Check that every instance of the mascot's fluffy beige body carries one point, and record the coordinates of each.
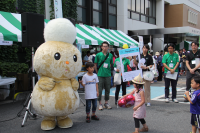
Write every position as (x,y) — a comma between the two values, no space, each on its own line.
(57,62)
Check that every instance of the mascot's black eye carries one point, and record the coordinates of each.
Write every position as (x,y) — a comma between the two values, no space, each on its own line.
(57,56)
(75,58)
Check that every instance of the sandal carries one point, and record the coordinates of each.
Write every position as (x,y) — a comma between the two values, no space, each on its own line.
(144,129)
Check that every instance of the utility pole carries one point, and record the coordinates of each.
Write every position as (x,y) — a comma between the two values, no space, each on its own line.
(47,9)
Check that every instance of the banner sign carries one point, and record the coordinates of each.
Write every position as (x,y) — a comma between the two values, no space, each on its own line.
(6,42)
(141,43)
(58,9)
(85,46)
(125,53)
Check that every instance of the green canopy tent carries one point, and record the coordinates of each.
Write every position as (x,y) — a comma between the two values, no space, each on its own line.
(10,26)
(184,44)
(90,35)
(10,30)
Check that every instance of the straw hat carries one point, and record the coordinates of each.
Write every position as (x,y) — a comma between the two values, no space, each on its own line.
(157,53)
(138,80)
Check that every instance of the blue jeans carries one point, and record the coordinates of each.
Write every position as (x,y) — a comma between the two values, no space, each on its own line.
(88,105)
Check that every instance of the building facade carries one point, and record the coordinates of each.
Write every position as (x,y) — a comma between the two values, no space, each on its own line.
(141,15)
(158,21)
(99,13)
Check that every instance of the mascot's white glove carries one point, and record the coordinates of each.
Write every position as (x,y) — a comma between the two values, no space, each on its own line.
(46,83)
(75,84)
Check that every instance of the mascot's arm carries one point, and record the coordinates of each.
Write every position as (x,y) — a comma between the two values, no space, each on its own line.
(46,83)
(75,84)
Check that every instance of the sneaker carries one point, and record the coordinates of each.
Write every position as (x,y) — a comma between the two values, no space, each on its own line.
(148,104)
(94,118)
(167,100)
(100,107)
(87,119)
(107,106)
(175,100)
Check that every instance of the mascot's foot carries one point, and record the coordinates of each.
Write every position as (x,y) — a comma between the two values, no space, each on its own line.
(48,123)
(64,122)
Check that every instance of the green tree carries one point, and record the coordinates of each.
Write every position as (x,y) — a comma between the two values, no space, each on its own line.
(69,8)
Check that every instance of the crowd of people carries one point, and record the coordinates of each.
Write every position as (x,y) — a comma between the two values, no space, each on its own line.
(168,67)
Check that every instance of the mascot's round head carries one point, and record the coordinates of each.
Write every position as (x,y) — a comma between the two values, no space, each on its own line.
(57,57)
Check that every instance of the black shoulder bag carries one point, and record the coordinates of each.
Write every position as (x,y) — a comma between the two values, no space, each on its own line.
(103,61)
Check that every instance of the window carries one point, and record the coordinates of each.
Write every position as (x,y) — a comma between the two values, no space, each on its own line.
(152,21)
(146,7)
(92,12)
(112,14)
(114,2)
(97,18)
(97,13)
(97,5)
(137,5)
(142,6)
(129,4)
(192,17)
(81,11)
(112,9)
(144,18)
(142,10)
(133,5)
(81,14)
(112,21)
(129,14)
(154,8)
(81,2)
(135,16)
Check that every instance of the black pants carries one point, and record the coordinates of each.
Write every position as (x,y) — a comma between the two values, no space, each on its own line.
(173,84)
(188,80)
(160,73)
(118,89)
(137,122)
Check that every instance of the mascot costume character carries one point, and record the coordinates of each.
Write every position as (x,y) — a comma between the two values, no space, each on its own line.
(57,62)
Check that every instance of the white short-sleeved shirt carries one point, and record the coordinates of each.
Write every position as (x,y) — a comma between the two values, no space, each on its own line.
(90,85)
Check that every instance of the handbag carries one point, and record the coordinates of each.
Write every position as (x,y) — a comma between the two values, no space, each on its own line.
(154,71)
(117,79)
(148,75)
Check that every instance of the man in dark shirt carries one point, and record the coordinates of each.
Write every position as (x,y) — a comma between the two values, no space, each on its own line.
(184,54)
(191,64)
(159,66)
(161,53)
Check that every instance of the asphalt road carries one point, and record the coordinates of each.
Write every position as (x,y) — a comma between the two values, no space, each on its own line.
(161,118)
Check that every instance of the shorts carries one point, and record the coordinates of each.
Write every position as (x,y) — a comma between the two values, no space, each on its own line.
(195,120)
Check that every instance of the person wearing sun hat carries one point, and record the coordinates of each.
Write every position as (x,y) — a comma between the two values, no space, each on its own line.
(123,84)
(139,107)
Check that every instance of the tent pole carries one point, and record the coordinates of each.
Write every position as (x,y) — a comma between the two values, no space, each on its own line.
(150,38)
